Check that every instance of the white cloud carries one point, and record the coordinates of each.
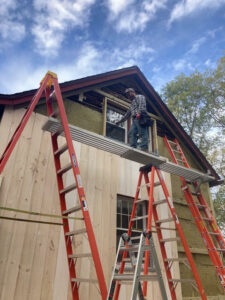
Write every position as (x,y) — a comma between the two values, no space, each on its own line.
(89,61)
(117,6)
(182,65)
(54,18)
(133,15)
(210,64)
(196,45)
(11,28)
(187,7)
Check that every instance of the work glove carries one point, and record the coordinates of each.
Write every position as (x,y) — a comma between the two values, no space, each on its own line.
(138,116)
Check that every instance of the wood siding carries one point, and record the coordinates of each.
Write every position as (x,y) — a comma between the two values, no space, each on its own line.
(32,256)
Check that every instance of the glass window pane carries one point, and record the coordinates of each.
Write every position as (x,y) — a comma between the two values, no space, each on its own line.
(115,132)
(130,207)
(113,116)
(140,224)
(119,206)
(118,220)
(124,221)
(125,207)
(139,210)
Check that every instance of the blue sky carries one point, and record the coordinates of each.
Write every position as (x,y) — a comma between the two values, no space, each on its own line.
(77,38)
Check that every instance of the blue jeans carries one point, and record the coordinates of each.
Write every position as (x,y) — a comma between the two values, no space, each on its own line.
(141,131)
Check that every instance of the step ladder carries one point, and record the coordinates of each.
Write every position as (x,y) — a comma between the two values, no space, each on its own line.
(49,81)
(205,222)
(135,248)
(161,228)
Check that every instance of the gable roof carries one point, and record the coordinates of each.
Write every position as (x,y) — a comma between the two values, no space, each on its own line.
(26,96)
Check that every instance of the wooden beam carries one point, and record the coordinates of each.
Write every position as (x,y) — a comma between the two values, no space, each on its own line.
(155,137)
(121,102)
(90,88)
(104,116)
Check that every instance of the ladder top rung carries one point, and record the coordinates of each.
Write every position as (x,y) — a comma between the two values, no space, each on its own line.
(61,150)
(72,209)
(164,220)
(84,280)
(76,232)
(80,255)
(68,188)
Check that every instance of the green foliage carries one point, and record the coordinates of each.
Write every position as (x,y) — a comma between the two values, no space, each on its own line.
(198,103)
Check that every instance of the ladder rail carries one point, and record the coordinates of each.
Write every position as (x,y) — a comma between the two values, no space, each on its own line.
(80,190)
(181,235)
(199,221)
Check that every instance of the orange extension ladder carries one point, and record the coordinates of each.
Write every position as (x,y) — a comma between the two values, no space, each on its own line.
(160,230)
(205,222)
(50,80)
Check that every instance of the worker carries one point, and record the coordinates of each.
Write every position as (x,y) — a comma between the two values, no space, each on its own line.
(138,113)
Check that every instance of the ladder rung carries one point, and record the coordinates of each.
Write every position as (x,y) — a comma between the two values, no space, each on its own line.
(140,218)
(180,160)
(182,280)
(170,240)
(61,150)
(214,233)
(195,194)
(207,219)
(54,114)
(164,220)
(134,248)
(176,151)
(131,269)
(76,232)
(64,169)
(72,209)
(181,260)
(58,132)
(157,183)
(141,200)
(80,255)
(160,202)
(171,142)
(201,206)
(68,189)
(128,277)
(220,250)
(84,280)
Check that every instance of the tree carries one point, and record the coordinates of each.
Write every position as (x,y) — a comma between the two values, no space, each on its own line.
(198,103)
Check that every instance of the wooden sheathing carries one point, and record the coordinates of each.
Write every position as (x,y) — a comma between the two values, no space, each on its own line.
(32,255)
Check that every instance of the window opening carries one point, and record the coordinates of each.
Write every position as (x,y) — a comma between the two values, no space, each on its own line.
(116,132)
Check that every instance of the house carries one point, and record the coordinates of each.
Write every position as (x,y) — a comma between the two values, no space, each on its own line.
(32,255)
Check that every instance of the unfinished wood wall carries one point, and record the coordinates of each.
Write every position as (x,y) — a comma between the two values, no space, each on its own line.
(32,256)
